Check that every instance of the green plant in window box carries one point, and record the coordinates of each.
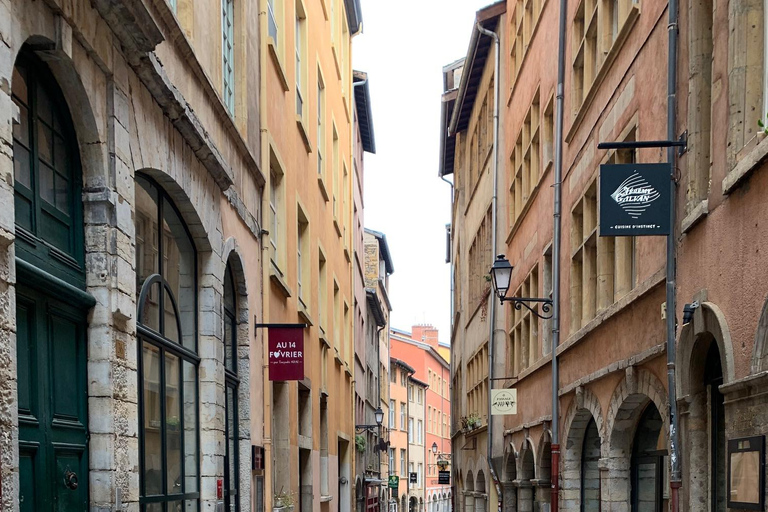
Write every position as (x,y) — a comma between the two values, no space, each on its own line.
(283,501)
(763,125)
(360,443)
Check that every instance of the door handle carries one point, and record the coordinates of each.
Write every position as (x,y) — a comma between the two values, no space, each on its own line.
(70,480)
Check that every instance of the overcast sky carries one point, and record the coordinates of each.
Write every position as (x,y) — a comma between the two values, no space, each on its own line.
(403,48)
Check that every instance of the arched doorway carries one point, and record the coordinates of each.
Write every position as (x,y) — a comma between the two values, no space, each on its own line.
(589,472)
(526,493)
(481,493)
(510,475)
(647,463)
(51,302)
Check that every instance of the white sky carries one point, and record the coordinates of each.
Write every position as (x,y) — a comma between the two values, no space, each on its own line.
(403,48)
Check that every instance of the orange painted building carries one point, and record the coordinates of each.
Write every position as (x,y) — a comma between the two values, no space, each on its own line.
(419,350)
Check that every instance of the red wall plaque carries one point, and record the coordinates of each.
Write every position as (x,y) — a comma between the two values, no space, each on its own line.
(286,353)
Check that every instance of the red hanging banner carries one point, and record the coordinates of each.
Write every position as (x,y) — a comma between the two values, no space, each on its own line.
(286,353)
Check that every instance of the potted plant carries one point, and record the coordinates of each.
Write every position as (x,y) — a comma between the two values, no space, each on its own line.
(360,443)
(283,501)
(763,129)
(473,421)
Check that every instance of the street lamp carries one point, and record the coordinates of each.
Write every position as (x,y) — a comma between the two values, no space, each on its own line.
(434,448)
(501,274)
(379,415)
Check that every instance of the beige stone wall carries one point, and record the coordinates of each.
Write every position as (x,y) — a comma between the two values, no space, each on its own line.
(136,106)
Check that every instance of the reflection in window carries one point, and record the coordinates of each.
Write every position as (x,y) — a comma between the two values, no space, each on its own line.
(231,458)
(167,316)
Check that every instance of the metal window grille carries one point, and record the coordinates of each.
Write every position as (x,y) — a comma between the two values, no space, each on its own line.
(228,53)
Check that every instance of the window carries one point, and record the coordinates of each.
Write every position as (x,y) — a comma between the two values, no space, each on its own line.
(403,378)
(403,411)
(429,419)
(228,53)
(302,257)
(527,13)
(594,41)
(410,430)
(274,17)
(419,432)
(402,463)
(393,376)
(584,259)
(391,460)
(336,318)
(480,260)
(320,126)
(524,335)
(336,178)
(301,23)
(277,211)
(419,470)
(392,414)
(322,291)
(546,325)
(420,395)
(477,381)
(525,162)
(47,174)
(166,272)
(411,393)
(348,342)
(172,3)
(231,416)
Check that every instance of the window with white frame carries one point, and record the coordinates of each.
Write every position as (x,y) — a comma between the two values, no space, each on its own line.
(392,413)
(302,257)
(402,415)
(301,24)
(320,124)
(228,53)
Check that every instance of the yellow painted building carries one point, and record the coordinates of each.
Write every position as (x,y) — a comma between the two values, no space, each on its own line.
(308,149)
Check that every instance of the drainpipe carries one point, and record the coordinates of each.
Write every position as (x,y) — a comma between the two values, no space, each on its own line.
(675,480)
(556,235)
(494,223)
(265,246)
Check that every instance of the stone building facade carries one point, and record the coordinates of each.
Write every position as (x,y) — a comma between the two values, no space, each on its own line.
(614,400)
(112,117)
(467,155)
(157,218)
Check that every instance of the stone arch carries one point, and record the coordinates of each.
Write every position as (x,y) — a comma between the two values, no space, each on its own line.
(707,335)
(480,484)
(630,399)
(708,324)
(509,477)
(38,35)
(544,468)
(481,492)
(233,258)
(579,471)
(526,473)
(760,349)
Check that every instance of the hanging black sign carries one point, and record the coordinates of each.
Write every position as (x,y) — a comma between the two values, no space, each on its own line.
(413,478)
(444,477)
(635,199)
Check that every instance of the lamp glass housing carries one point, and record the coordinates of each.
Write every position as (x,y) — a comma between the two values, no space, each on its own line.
(501,273)
(379,415)
(434,448)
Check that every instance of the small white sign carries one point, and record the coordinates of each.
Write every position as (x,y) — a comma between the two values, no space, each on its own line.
(503,402)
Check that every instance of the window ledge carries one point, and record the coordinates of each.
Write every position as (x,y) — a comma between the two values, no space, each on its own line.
(278,64)
(323,337)
(745,166)
(303,133)
(336,60)
(325,499)
(697,214)
(337,357)
(615,308)
(347,255)
(336,225)
(276,276)
(323,189)
(581,112)
(346,103)
(523,212)
(304,314)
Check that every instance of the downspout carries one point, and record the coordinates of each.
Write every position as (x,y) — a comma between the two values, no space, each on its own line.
(675,480)
(265,259)
(556,235)
(494,223)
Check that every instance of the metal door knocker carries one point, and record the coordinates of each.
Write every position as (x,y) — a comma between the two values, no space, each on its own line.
(70,480)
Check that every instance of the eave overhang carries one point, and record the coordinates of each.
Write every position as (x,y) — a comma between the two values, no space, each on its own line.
(363,107)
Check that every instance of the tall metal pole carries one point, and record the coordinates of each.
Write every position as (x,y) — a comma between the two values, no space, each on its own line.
(558,173)
(675,480)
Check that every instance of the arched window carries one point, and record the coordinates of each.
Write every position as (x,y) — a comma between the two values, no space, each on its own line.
(166,273)
(46,170)
(590,471)
(231,456)
(647,462)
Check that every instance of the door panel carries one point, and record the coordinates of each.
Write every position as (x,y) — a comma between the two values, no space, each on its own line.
(53,437)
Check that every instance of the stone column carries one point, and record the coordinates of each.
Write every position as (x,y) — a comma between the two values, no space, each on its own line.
(469,501)
(543,495)
(510,497)
(524,496)
(615,479)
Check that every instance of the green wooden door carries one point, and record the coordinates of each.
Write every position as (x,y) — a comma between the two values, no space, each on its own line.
(53,434)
